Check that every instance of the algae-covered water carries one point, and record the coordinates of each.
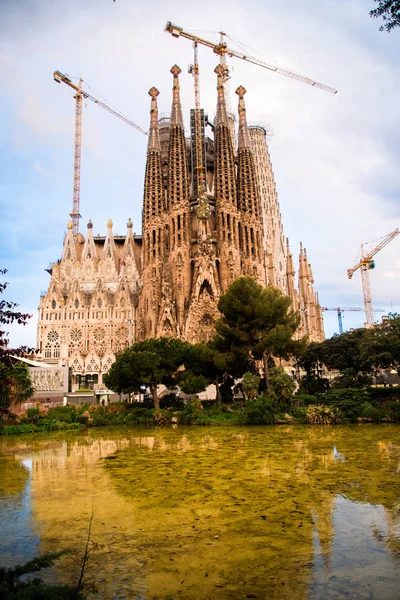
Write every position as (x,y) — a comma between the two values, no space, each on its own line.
(211,513)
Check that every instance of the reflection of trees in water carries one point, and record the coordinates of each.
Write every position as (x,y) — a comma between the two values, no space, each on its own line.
(242,505)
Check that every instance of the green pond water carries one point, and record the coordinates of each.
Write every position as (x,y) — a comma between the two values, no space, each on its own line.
(211,513)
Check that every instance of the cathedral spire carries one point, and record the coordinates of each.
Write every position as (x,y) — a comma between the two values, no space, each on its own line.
(290,273)
(153,186)
(154,138)
(244,138)
(222,113)
(178,189)
(248,192)
(225,180)
(176,112)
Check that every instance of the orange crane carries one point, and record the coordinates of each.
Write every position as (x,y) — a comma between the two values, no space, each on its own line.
(339,312)
(366,264)
(80,94)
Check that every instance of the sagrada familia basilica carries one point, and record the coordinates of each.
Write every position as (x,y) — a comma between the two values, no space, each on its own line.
(200,231)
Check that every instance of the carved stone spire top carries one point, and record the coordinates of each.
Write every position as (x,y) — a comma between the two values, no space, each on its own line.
(176,112)
(154,138)
(222,115)
(244,138)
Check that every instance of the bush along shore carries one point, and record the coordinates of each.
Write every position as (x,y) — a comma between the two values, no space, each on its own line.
(347,405)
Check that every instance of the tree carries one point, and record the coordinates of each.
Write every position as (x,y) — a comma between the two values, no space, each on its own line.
(389,10)
(18,386)
(148,363)
(380,346)
(206,360)
(13,379)
(193,384)
(282,387)
(250,384)
(257,322)
(340,353)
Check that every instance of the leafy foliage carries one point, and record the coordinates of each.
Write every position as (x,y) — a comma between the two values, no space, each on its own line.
(348,401)
(317,414)
(15,384)
(380,346)
(282,387)
(260,411)
(250,384)
(256,323)
(12,587)
(148,363)
(193,384)
(389,10)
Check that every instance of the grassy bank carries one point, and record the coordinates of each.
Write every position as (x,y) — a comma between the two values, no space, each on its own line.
(336,406)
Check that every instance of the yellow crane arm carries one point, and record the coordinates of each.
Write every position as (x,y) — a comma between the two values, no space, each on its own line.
(365,260)
(60,77)
(221,48)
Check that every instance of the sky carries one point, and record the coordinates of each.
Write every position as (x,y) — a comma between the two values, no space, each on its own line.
(335,157)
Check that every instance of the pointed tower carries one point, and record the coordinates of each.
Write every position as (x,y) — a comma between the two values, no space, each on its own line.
(89,259)
(228,226)
(129,268)
(153,228)
(290,277)
(273,242)
(248,201)
(303,294)
(108,269)
(177,272)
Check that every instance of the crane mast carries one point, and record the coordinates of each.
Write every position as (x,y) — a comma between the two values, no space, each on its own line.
(76,193)
(365,264)
(197,134)
(79,95)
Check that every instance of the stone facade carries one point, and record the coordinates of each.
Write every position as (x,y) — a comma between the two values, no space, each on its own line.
(200,230)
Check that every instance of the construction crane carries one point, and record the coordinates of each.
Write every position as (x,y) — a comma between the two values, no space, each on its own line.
(366,264)
(80,94)
(222,50)
(339,312)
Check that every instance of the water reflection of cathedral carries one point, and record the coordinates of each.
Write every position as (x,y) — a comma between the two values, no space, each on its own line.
(233,505)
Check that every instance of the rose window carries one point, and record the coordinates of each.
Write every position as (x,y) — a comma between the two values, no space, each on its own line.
(76,336)
(99,335)
(121,339)
(53,336)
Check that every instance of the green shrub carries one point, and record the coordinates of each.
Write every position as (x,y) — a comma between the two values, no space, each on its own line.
(67,414)
(191,412)
(32,415)
(99,420)
(306,399)
(391,411)
(369,412)
(161,416)
(318,414)
(17,429)
(82,419)
(384,394)
(299,413)
(348,400)
(260,411)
